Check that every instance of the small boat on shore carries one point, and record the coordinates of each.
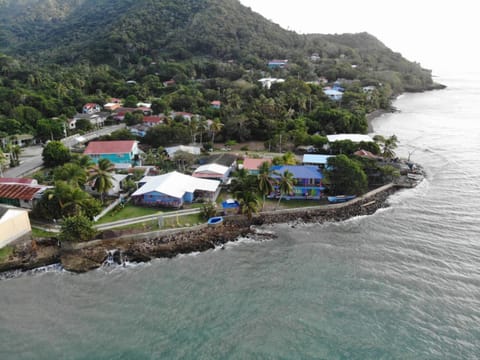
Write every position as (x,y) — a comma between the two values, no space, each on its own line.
(340,198)
(415,176)
(215,221)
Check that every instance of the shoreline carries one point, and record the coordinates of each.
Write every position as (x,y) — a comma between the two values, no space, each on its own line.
(120,248)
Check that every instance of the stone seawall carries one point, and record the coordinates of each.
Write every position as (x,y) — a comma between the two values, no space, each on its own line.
(121,248)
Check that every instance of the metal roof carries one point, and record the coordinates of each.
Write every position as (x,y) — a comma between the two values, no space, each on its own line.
(19,191)
(298,171)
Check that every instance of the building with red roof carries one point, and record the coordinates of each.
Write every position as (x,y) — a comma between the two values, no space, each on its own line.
(20,192)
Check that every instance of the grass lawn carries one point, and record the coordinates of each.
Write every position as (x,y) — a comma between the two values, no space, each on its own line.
(42,233)
(129,211)
(169,223)
(5,252)
(289,204)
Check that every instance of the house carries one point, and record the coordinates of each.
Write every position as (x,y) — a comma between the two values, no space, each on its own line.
(19,192)
(315,57)
(356,138)
(333,94)
(21,140)
(212,171)
(267,82)
(367,154)
(91,108)
(96,119)
(111,106)
(316,160)
(122,153)
(174,189)
(118,181)
(14,225)
(169,83)
(139,130)
(216,104)
(252,165)
(194,150)
(307,181)
(277,64)
(154,120)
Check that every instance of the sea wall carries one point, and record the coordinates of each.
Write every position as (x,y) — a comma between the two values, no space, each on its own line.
(118,247)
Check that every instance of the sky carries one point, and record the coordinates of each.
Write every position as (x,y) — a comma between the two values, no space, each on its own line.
(439,34)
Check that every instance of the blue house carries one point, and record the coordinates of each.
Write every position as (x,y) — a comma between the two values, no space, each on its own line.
(277,64)
(307,181)
(122,153)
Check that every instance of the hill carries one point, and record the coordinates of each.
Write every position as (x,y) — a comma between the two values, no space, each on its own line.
(126,32)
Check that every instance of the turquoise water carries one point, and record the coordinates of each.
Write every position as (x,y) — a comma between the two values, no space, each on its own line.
(403,283)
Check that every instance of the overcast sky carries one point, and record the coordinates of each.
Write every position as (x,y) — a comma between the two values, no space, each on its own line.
(441,35)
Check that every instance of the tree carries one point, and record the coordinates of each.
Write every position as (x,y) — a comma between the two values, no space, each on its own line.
(101,175)
(72,173)
(346,176)
(265,181)
(55,154)
(77,228)
(215,127)
(249,203)
(387,144)
(285,184)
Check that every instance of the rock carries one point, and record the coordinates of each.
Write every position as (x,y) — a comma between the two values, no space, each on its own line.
(77,263)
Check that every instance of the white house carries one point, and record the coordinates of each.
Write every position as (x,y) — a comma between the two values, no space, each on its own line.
(356,138)
(333,94)
(174,189)
(194,150)
(212,171)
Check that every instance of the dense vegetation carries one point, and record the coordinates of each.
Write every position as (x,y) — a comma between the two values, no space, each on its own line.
(61,54)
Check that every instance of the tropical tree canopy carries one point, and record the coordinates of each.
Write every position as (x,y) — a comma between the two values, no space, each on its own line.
(346,176)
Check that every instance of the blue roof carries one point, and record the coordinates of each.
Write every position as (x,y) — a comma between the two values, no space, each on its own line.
(316,159)
(298,171)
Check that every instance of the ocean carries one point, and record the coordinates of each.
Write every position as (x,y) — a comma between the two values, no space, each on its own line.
(403,283)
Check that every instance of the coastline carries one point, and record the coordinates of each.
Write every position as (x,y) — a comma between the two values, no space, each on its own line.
(120,248)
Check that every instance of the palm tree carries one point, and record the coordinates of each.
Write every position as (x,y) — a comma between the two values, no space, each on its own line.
(388,144)
(83,161)
(66,199)
(101,175)
(3,161)
(265,181)
(285,184)
(215,127)
(249,203)
(72,173)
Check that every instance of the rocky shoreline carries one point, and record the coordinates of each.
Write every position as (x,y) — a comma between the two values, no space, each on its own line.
(120,248)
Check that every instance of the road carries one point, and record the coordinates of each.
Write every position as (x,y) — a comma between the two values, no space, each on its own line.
(31,157)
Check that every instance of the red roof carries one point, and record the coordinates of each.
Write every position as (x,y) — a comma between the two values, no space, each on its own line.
(109,147)
(365,153)
(153,119)
(17,181)
(19,191)
(254,164)
(90,105)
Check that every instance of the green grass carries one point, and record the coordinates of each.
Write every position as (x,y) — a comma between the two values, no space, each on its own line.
(42,233)
(128,212)
(5,252)
(290,204)
(169,223)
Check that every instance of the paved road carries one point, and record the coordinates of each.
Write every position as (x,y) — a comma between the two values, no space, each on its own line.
(31,157)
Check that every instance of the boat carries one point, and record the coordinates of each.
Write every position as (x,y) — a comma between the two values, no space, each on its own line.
(415,176)
(340,198)
(214,221)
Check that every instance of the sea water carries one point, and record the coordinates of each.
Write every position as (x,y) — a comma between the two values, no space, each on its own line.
(403,283)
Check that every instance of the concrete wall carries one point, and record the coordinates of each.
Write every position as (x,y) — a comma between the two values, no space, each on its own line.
(14,225)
